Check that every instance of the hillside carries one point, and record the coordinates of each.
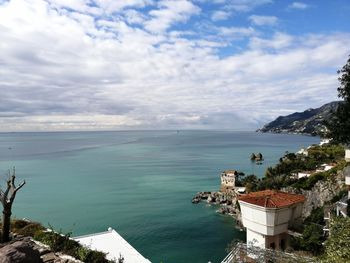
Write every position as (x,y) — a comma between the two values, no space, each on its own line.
(307,122)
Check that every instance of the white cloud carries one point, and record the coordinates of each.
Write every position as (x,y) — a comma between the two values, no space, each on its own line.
(263,20)
(111,6)
(169,12)
(239,6)
(220,15)
(236,31)
(67,122)
(298,5)
(279,40)
(134,17)
(64,70)
(245,5)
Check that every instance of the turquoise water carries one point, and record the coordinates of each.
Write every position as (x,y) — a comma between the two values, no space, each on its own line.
(140,183)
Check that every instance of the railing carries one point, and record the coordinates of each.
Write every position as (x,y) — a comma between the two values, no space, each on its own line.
(242,253)
(341,206)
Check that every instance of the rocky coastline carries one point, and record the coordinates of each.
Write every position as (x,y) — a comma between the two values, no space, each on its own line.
(226,200)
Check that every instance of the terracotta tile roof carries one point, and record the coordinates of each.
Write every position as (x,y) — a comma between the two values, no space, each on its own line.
(272,198)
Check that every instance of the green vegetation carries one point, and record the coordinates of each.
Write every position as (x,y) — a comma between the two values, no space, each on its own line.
(317,155)
(338,243)
(312,233)
(339,196)
(316,217)
(306,183)
(312,239)
(58,241)
(281,175)
(339,124)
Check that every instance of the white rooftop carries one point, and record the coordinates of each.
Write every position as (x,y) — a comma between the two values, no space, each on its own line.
(113,244)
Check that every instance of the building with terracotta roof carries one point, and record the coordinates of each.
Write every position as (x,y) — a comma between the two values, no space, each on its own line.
(228,179)
(267,216)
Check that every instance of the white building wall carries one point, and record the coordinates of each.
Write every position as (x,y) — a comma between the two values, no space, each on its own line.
(269,221)
(328,167)
(347,155)
(301,175)
(228,179)
(255,239)
(347,180)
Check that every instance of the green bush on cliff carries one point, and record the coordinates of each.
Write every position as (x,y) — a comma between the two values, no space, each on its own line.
(338,244)
(339,196)
(280,175)
(316,216)
(26,228)
(317,155)
(58,242)
(306,183)
(311,239)
(63,243)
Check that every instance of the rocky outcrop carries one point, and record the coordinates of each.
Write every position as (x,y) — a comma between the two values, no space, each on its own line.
(22,251)
(25,250)
(200,196)
(226,200)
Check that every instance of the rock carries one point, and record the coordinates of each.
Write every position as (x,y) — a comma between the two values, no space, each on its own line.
(200,196)
(19,252)
(195,200)
(221,210)
(210,199)
(49,257)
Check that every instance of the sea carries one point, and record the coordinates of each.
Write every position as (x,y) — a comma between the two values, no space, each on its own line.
(138,182)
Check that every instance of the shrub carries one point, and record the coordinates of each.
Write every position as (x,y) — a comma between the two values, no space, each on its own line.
(316,216)
(312,239)
(339,196)
(338,243)
(26,228)
(58,242)
(63,243)
(309,182)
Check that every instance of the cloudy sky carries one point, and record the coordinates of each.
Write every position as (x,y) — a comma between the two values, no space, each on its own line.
(166,64)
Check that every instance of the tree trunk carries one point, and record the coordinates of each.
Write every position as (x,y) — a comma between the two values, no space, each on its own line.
(6,222)
(6,198)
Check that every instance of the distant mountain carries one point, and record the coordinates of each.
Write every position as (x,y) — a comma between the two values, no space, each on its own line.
(307,122)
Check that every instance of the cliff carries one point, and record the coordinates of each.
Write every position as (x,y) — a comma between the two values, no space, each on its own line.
(322,192)
(310,121)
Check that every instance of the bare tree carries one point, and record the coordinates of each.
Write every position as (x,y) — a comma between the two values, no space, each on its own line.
(7,197)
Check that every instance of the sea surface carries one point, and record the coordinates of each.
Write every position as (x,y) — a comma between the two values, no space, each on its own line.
(138,182)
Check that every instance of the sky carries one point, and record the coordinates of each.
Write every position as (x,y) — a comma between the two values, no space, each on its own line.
(71,65)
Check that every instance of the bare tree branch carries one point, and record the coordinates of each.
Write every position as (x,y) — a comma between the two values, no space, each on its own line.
(7,198)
